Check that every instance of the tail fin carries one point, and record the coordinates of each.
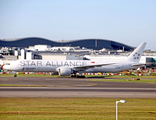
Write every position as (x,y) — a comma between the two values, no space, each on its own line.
(137,53)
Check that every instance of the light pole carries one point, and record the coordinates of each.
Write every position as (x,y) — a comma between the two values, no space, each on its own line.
(122,101)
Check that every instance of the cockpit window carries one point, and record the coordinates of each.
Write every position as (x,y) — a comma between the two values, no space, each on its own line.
(7,63)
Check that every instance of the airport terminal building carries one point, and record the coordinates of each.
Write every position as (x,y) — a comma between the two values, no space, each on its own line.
(95,44)
(39,48)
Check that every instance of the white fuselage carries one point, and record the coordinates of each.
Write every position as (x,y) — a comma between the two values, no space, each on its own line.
(52,65)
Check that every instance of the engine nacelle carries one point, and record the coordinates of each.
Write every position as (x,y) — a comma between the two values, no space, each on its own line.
(64,71)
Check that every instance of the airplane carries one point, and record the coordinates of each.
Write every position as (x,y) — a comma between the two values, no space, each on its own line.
(75,68)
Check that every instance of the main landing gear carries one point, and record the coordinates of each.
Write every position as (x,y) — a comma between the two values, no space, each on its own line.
(77,76)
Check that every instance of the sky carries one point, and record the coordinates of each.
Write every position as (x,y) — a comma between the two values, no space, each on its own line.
(126,21)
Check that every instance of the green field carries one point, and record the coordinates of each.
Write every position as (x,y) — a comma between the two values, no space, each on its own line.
(76,109)
(88,76)
(128,80)
(30,75)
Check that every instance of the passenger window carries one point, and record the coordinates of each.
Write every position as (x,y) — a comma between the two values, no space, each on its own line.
(7,63)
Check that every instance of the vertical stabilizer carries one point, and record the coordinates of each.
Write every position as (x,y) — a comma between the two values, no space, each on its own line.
(137,53)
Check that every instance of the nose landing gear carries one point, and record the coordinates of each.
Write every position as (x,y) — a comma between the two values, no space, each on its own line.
(15,75)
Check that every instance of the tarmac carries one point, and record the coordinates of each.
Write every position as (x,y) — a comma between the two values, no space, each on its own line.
(73,87)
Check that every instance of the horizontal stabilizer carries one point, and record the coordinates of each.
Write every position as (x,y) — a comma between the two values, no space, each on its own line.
(138,65)
(141,64)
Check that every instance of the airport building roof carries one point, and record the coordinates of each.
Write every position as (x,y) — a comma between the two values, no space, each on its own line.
(95,44)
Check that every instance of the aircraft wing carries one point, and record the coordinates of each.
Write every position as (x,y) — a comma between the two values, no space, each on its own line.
(91,66)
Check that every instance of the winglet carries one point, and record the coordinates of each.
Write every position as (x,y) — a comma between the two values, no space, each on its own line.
(137,53)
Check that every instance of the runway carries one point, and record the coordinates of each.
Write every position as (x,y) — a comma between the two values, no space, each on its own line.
(70,87)
(60,92)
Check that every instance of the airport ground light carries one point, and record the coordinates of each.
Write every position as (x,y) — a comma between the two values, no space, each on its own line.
(121,101)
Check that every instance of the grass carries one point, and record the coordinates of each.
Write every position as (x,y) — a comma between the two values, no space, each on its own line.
(75,109)
(128,80)
(31,75)
(88,76)
(120,76)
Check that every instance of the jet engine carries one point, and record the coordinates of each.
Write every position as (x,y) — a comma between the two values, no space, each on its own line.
(64,71)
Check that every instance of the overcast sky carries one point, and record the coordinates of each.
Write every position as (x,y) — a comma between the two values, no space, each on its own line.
(127,21)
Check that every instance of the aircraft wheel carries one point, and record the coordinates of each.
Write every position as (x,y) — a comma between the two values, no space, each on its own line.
(80,76)
(83,76)
(77,76)
(15,75)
